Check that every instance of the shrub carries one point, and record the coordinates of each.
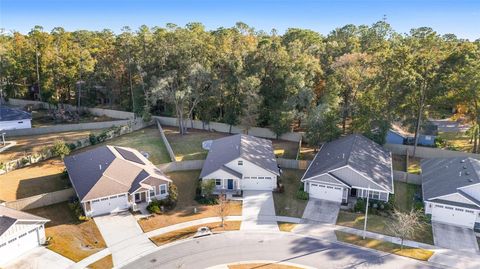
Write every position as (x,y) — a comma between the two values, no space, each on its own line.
(24,161)
(60,149)
(92,138)
(172,193)
(207,186)
(213,200)
(360,205)
(154,207)
(72,146)
(102,137)
(302,195)
(77,210)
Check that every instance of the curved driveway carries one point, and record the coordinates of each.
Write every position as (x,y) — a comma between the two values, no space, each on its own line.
(287,247)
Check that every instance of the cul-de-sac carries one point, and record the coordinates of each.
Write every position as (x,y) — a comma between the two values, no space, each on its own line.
(239,134)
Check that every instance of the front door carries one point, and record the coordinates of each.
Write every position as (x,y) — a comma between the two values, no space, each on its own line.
(230,184)
(353,192)
(138,198)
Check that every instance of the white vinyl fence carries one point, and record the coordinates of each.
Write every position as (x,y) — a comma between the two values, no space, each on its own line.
(426,152)
(41,200)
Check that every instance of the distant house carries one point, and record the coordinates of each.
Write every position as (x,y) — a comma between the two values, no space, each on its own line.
(397,135)
(19,233)
(451,190)
(111,179)
(352,166)
(241,162)
(12,118)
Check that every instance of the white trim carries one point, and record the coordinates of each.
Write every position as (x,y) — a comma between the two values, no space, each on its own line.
(468,186)
(330,171)
(391,172)
(339,182)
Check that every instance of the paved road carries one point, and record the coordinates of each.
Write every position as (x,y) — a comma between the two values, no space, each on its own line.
(286,247)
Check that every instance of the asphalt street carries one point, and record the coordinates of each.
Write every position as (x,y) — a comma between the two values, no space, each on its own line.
(281,247)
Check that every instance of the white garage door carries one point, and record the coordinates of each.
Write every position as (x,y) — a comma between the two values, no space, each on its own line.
(258,183)
(326,192)
(455,216)
(109,205)
(16,247)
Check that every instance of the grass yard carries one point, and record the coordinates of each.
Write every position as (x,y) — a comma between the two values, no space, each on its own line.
(35,143)
(405,195)
(190,231)
(307,152)
(414,253)
(286,226)
(186,182)
(147,139)
(32,180)
(399,162)
(41,118)
(189,146)
(104,263)
(414,166)
(262,266)
(379,224)
(286,203)
(71,238)
(458,141)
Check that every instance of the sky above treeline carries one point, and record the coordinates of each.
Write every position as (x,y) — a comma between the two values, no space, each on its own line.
(459,17)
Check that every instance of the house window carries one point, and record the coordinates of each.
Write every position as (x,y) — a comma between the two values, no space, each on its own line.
(240,162)
(163,189)
(218,182)
(374,195)
(260,177)
(104,199)
(2,245)
(246,178)
(20,122)
(469,211)
(268,178)
(22,235)
(152,192)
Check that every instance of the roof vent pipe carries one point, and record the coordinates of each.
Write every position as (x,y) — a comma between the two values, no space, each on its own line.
(100,166)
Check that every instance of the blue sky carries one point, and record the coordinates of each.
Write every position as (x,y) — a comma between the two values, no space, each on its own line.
(460,17)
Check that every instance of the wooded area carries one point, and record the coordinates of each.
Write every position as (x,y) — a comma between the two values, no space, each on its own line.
(355,79)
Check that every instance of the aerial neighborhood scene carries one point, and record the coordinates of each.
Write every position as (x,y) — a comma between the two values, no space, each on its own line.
(239,134)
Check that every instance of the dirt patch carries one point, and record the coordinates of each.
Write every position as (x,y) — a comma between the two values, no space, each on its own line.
(104,263)
(262,266)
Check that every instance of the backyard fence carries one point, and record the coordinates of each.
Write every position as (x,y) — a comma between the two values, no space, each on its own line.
(117,114)
(181,166)
(41,200)
(425,152)
(407,177)
(225,128)
(293,164)
(165,141)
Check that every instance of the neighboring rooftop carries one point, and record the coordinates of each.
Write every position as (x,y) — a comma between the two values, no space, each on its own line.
(9,216)
(358,152)
(442,176)
(11,114)
(259,151)
(109,170)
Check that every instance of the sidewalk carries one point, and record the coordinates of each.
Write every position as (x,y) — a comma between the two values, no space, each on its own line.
(90,259)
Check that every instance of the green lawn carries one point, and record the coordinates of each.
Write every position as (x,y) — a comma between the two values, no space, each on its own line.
(404,195)
(414,253)
(414,166)
(458,141)
(147,139)
(286,203)
(379,224)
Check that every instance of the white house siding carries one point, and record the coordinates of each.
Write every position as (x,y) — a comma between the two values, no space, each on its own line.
(220,174)
(254,177)
(473,190)
(355,179)
(107,205)
(16,124)
(456,197)
(326,178)
(19,239)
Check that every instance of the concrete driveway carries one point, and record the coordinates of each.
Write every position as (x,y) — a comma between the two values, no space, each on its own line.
(40,257)
(453,237)
(321,210)
(123,236)
(258,211)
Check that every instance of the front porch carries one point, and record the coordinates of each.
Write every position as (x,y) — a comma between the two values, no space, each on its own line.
(227,186)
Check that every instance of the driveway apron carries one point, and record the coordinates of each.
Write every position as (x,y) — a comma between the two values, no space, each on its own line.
(123,236)
(453,237)
(321,211)
(258,211)
(40,257)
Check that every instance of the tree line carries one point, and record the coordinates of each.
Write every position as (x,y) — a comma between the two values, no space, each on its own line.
(355,79)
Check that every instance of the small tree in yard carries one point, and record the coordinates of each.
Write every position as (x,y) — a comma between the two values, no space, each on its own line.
(172,193)
(406,224)
(208,186)
(223,209)
(60,149)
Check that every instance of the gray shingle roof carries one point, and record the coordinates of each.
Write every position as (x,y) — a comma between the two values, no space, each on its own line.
(253,149)
(104,171)
(9,216)
(442,176)
(358,152)
(10,114)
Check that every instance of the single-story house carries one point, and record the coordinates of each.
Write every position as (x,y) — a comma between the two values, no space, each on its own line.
(351,166)
(19,233)
(110,179)
(397,135)
(241,162)
(12,118)
(451,190)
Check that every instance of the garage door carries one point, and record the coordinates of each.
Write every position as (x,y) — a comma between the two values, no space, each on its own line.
(109,205)
(326,192)
(455,216)
(17,246)
(258,183)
